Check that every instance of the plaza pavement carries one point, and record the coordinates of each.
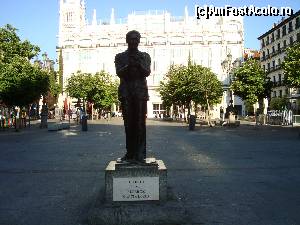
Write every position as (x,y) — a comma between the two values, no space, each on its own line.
(222,175)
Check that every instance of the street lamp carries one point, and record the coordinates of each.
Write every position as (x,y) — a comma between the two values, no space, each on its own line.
(227,66)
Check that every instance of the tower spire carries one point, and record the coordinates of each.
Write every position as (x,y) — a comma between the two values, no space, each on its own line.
(186,14)
(94,22)
(112,16)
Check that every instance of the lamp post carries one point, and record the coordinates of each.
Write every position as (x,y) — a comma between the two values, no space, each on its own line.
(46,65)
(227,66)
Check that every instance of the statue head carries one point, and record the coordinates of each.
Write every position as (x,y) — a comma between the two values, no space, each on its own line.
(133,39)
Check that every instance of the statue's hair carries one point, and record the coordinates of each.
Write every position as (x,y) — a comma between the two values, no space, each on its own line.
(132,32)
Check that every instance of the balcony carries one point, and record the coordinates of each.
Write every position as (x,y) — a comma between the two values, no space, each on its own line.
(277,67)
(277,84)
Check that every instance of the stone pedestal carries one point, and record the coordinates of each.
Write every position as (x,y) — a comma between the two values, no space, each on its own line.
(126,182)
(231,119)
(44,117)
(137,194)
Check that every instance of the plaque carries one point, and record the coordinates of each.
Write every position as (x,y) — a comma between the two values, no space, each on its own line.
(135,188)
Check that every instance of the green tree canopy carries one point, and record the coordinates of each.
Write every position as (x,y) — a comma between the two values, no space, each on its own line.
(80,85)
(250,82)
(105,91)
(176,86)
(11,45)
(278,103)
(184,84)
(99,89)
(291,66)
(209,89)
(21,82)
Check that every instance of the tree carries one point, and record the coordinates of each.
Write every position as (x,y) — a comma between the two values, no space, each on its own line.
(209,90)
(177,88)
(278,103)
(250,82)
(11,45)
(99,89)
(79,86)
(291,66)
(193,83)
(21,82)
(105,91)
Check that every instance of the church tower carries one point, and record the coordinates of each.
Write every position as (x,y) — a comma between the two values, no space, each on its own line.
(71,19)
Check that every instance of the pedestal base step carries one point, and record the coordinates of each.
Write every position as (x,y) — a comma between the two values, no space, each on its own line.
(170,212)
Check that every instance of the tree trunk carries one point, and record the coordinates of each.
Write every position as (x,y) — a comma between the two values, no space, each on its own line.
(189,111)
(29,107)
(84,108)
(208,112)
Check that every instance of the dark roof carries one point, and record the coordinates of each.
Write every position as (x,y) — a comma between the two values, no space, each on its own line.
(280,24)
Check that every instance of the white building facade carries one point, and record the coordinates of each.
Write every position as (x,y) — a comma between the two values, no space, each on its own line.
(91,47)
(273,50)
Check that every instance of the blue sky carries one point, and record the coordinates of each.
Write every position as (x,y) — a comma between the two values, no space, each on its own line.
(37,20)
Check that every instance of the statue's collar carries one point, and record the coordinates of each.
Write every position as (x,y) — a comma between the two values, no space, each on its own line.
(132,51)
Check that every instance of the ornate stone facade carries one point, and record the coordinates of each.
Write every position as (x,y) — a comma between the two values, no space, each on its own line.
(91,47)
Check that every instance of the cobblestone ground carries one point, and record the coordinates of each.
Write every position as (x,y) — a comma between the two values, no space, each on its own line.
(236,176)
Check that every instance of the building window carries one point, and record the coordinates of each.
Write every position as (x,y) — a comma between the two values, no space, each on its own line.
(279,79)
(284,30)
(274,79)
(279,62)
(273,49)
(158,110)
(274,94)
(286,91)
(278,34)
(280,93)
(264,54)
(278,46)
(262,43)
(272,38)
(268,66)
(268,40)
(297,25)
(264,67)
(273,63)
(290,27)
(291,40)
(284,44)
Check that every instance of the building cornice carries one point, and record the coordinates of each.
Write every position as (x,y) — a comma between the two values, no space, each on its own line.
(285,21)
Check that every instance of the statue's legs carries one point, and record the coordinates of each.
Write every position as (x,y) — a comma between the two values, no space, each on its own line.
(134,115)
(126,112)
(141,110)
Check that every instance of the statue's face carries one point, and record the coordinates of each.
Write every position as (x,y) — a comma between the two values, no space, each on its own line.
(133,41)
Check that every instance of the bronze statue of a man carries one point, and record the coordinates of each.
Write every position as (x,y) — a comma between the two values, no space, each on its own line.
(132,67)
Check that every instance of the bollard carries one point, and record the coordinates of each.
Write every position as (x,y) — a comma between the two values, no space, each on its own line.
(192,122)
(84,123)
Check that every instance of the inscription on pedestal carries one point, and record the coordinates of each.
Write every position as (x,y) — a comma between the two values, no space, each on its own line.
(136,189)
